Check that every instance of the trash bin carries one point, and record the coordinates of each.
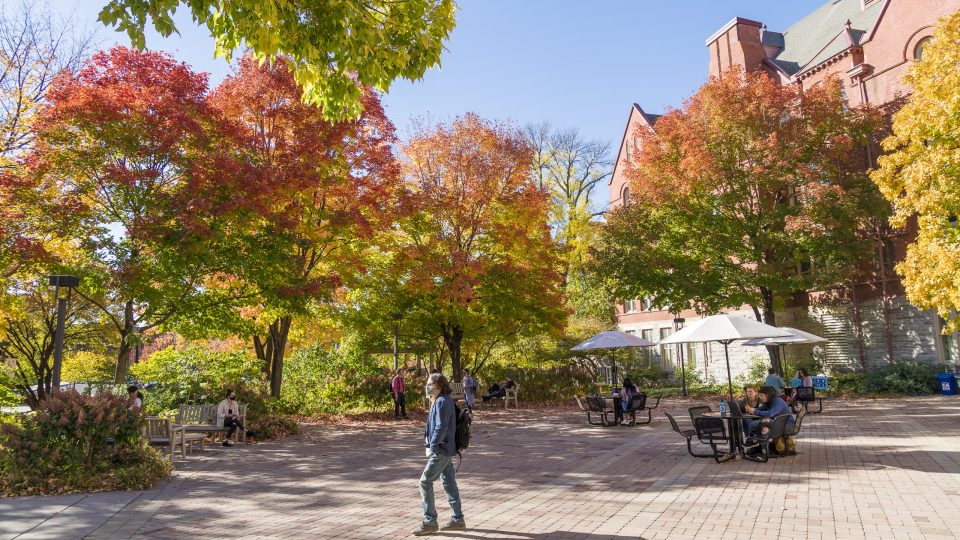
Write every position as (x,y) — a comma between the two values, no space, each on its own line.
(948,384)
(820,383)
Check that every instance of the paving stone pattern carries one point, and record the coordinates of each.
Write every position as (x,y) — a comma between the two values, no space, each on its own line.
(866,469)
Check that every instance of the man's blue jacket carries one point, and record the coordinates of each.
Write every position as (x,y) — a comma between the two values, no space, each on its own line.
(441,433)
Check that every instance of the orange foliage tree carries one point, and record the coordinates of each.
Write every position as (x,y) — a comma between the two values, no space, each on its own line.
(319,193)
(748,194)
(476,256)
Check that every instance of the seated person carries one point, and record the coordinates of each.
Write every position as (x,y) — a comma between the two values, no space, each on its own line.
(499,390)
(771,406)
(789,395)
(228,416)
(750,398)
(805,378)
(627,391)
(774,381)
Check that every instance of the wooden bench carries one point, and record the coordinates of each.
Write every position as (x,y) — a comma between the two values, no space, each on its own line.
(203,419)
(161,432)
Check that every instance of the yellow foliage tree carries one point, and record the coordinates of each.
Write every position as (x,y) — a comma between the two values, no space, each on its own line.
(920,174)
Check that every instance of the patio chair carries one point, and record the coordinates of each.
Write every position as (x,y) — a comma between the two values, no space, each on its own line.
(806,395)
(598,405)
(762,441)
(639,404)
(792,430)
(687,434)
(697,412)
(713,432)
(586,410)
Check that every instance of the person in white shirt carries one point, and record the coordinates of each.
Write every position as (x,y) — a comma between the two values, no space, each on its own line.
(134,398)
(228,416)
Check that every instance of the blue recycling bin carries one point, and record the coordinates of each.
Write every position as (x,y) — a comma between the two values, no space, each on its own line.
(948,384)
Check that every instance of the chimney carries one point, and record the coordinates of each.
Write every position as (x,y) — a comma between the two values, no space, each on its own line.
(736,43)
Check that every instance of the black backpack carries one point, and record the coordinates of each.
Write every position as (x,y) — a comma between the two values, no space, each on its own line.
(463,428)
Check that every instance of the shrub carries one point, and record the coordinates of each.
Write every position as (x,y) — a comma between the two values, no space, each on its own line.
(846,383)
(319,381)
(914,378)
(75,442)
(198,375)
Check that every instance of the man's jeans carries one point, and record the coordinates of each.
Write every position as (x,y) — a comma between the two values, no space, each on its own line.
(439,466)
(400,405)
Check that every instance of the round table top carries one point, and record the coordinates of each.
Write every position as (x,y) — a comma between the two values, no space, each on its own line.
(716,414)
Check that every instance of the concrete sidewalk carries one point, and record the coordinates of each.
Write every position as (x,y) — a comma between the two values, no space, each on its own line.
(867,468)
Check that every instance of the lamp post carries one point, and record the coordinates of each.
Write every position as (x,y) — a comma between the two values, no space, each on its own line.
(69,282)
(396,340)
(677,326)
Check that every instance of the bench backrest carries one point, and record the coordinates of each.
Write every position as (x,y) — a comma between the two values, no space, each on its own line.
(155,427)
(197,414)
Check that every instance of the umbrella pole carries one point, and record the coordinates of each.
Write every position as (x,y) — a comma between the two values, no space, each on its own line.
(613,352)
(726,354)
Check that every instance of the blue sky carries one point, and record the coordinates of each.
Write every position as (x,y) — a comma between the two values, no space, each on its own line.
(574,63)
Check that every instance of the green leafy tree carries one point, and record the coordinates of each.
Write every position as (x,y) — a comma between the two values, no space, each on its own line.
(920,174)
(336,48)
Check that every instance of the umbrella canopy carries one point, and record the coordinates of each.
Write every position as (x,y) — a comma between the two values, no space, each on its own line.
(796,337)
(612,340)
(724,329)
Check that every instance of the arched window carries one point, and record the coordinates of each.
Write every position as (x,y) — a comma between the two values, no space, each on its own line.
(626,196)
(918,49)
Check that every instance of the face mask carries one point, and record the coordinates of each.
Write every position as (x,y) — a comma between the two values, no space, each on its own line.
(430,390)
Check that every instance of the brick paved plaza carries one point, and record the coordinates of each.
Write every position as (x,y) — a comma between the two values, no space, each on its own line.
(866,469)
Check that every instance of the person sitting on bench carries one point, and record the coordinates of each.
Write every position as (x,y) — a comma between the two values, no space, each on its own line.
(498,390)
(228,416)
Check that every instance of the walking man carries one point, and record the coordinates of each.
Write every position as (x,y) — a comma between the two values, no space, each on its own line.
(441,445)
(399,400)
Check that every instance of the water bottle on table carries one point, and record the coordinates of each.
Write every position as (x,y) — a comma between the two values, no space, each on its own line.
(723,407)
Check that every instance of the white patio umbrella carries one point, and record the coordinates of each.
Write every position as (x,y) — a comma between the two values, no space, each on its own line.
(612,341)
(724,329)
(796,337)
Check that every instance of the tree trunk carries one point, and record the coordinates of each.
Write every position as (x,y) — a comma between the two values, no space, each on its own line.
(279,330)
(885,300)
(123,353)
(453,337)
(769,317)
(264,350)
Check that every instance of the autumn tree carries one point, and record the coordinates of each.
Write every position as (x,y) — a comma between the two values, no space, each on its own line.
(331,45)
(323,191)
(137,159)
(748,194)
(570,168)
(920,174)
(477,257)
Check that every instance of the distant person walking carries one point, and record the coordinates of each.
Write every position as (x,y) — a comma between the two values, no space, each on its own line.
(399,399)
(440,441)
(134,398)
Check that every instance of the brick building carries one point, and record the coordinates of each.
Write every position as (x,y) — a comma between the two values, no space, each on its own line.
(868,45)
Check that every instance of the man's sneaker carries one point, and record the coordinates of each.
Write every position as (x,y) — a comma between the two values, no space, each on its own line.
(454,525)
(425,529)
(227,443)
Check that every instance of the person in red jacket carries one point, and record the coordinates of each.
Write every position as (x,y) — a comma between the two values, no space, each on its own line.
(399,400)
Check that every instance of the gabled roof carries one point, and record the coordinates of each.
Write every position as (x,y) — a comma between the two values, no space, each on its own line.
(822,34)
(649,119)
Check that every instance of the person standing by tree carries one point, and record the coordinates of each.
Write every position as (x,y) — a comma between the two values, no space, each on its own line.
(469,389)
(441,445)
(399,400)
